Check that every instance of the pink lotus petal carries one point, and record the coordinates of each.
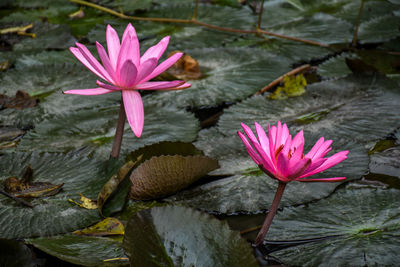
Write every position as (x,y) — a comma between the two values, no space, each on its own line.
(128,74)
(134,110)
(323,149)
(298,153)
(180,87)
(108,86)
(333,179)
(315,148)
(330,162)
(278,141)
(156,50)
(106,61)
(298,168)
(92,91)
(93,62)
(249,133)
(284,133)
(283,165)
(133,53)
(123,56)
(298,139)
(166,64)
(77,53)
(263,138)
(145,69)
(113,46)
(159,85)
(256,158)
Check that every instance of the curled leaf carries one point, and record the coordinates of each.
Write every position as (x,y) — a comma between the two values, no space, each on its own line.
(108,226)
(165,175)
(112,184)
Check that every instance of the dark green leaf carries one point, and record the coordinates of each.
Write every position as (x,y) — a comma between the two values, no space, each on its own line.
(367,219)
(82,250)
(178,236)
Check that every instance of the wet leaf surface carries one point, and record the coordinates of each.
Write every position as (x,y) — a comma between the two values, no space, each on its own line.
(364,218)
(82,250)
(181,236)
(52,215)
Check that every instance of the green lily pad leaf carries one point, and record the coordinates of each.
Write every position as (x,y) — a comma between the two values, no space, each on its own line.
(223,16)
(231,74)
(165,175)
(179,236)
(127,6)
(249,190)
(44,58)
(371,10)
(363,218)
(15,253)
(386,162)
(379,29)
(82,250)
(54,214)
(94,129)
(319,27)
(45,83)
(329,109)
(48,36)
(336,66)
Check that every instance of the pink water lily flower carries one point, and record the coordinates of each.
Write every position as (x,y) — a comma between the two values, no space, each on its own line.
(125,70)
(281,157)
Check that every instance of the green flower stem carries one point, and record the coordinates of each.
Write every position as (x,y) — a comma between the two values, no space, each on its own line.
(272,211)
(119,132)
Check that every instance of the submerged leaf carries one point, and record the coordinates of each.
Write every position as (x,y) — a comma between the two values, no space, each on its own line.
(179,236)
(108,226)
(165,175)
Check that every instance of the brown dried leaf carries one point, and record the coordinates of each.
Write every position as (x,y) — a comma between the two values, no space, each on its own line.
(165,175)
(186,68)
(21,100)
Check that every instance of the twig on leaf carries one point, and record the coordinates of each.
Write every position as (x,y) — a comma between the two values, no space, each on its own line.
(275,82)
(196,22)
(20,201)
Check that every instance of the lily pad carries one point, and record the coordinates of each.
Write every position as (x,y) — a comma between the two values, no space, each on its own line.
(48,36)
(82,250)
(178,236)
(54,214)
(336,66)
(363,218)
(165,175)
(250,191)
(386,162)
(330,109)
(94,129)
(379,29)
(231,74)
